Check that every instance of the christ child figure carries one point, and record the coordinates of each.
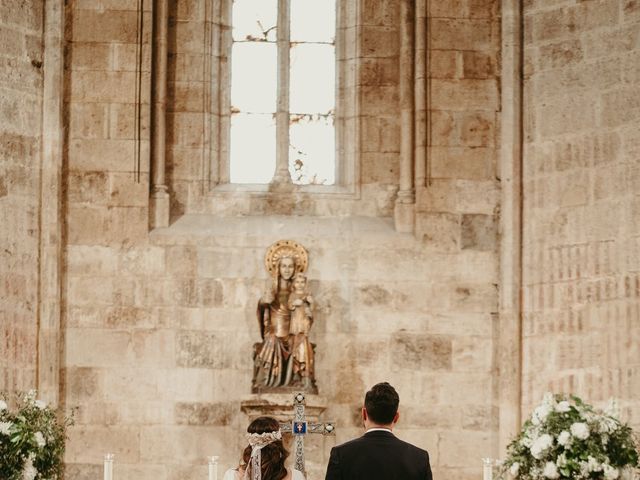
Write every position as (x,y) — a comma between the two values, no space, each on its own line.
(301,305)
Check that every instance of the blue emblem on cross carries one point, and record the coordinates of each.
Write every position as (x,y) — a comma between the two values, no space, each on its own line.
(299,428)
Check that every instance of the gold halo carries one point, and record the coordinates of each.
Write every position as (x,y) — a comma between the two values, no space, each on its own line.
(286,248)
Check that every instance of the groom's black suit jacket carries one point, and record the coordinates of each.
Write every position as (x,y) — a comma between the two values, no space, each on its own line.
(378,455)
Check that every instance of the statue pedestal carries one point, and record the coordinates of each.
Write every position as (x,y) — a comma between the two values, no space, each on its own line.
(280,406)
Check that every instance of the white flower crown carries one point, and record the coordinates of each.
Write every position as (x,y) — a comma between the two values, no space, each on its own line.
(262,439)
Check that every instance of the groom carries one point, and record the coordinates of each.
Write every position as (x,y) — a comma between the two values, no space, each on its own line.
(379,454)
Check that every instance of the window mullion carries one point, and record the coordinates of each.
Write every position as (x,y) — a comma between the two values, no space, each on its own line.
(282,112)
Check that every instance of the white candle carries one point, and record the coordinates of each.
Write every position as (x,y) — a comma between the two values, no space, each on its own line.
(487,469)
(108,466)
(213,468)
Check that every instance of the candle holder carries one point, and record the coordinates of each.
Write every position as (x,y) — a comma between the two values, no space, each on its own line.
(487,468)
(213,467)
(108,466)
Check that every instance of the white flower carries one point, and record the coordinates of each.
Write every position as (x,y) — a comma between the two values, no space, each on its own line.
(40,441)
(541,413)
(607,425)
(562,460)
(29,472)
(540,445)
(564,438)
(612,409)
(3,405)
(5,427)
(551,470)
(563,406)
(580,430)
(40,404)
(548,399)
(610,473)
(514,469)
(584,469)
(526,441)
(593,465)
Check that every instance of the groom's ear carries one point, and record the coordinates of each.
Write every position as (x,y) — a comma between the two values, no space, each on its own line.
(364,414)
(396,417)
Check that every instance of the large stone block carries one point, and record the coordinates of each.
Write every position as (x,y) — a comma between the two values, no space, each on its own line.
(465,94)
(104,26)
(439,231)
(191,444)
(189,37)
(91,260)
(98,348)
(458,34)
(87,444)
(571,113)
(106,87)
(379,42)
(479,232)
(88,56)
(572,20)
(378,71)
(123,124)
(127,57)
(373,12)
(463,163)
(619,40)
(187,97)
(88,120)
(559,55)
(88,187)
(444,64)
(200,349)
(216,414)
(478,64)
(421,352)
(621,106)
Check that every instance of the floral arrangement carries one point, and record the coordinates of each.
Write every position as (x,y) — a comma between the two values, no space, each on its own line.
(567,439)
(31,440)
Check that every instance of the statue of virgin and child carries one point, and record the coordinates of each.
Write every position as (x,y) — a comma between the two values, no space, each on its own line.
(285,358)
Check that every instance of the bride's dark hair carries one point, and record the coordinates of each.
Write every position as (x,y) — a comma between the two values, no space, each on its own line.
(273,455)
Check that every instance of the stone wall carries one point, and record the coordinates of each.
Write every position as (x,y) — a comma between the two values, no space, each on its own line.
(160,326)
(21,78)
(581,203)
(457,211)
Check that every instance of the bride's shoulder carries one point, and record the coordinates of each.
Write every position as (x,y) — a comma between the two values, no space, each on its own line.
(297,475)
(231,474)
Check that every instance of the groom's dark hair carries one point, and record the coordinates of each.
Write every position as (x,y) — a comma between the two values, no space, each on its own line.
(381,403)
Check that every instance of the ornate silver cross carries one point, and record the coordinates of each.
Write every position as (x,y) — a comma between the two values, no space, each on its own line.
(299,427)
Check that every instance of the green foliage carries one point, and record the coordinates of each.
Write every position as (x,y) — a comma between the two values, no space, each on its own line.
(32,439)
(566,438)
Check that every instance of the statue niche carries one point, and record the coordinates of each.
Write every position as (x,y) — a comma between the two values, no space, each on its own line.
(284,360)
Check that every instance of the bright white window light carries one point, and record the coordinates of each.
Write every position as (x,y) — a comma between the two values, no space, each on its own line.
(254,86)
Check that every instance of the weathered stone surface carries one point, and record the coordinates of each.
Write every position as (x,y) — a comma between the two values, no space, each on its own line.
(478,232)
(577,198)
(419,352)
(21,32)
(158,326)
(200,349)
(219,414)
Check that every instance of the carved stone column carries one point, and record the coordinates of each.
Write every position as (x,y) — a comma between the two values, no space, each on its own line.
(510,320)
(159,204)
(420,93)
(404,213)
(282,175)
(51,234)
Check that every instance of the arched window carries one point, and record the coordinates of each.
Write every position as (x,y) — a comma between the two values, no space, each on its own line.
(282,99)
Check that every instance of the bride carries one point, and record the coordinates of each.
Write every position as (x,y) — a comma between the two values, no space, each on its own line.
(264,457)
